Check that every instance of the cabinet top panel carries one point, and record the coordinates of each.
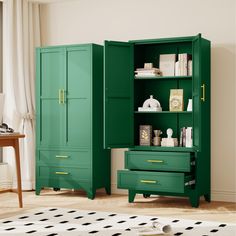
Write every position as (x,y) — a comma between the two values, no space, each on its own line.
(68,46)
(166,40)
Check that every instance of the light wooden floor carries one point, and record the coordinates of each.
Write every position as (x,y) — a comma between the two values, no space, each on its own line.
(158,206)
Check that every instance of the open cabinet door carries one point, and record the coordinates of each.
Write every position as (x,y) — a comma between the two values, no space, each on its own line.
(197,92)
(118,94)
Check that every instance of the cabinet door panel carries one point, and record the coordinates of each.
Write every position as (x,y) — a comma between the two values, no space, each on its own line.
(79,123)
(53,64)
(118,98)
(52,118)
(79,97)
(197,93)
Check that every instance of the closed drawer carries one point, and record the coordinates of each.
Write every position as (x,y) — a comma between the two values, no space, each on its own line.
(64,173)
(65,158)
(153,181)
(166,161)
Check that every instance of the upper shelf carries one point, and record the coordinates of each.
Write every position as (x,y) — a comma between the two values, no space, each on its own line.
(162,77)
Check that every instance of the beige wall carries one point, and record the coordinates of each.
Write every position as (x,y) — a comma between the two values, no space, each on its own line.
(81,21)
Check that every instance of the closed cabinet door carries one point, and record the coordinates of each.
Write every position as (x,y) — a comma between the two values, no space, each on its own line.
(52,112)
(79,87)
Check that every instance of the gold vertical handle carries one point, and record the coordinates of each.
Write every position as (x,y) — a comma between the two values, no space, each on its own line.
(203,98)
(59,96)
(63,96)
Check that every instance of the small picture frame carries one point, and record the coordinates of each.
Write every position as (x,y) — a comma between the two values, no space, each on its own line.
(145,135)
(176,100)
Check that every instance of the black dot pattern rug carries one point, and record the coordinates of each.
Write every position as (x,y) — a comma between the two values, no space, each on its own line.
(74,222)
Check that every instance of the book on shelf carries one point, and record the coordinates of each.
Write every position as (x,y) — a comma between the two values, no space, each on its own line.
(144,72)
(167,64)
(186,137)
(183,67)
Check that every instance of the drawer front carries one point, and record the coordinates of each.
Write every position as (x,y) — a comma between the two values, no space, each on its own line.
(63,173)
(152,181)
(166,161)
(65,158)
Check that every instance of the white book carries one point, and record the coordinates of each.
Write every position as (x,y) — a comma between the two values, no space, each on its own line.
(167,64)
(190,66)
(189,139)
(177,68)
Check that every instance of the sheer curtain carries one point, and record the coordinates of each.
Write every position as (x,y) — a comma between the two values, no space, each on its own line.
(21,34)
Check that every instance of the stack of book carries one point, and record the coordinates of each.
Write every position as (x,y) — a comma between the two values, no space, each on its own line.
(186,137)
(183,67)
(147,72)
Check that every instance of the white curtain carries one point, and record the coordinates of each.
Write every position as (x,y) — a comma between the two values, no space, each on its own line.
(21,34)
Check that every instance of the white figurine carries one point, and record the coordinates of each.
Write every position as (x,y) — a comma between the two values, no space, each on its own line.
(150,104)
(169,141)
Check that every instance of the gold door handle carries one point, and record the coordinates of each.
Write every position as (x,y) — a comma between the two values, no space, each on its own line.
(61,173)
(62,157)
(203,98)
(61,96)
(148,181)
(155,161)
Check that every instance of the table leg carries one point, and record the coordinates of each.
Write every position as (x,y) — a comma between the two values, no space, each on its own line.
(18,172)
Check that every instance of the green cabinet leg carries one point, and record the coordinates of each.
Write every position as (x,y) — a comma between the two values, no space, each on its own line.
(108,190)
(131,195)
(91,194)
(207,197)
(194,200)
(37,190)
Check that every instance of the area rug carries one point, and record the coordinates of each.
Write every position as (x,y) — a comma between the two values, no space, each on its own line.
(74,222)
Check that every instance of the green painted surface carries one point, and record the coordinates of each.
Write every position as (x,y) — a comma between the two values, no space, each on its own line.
(65,158)
(151,181)
(159,161)
(118,100)
(69,150)
(149,51)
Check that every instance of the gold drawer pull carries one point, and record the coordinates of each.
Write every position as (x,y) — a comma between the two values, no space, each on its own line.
(148,181)
(203,98)
(61,173)
(155,161)
(61,157)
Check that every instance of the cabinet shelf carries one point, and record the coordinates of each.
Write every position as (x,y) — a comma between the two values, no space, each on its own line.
(162,77)
(165,149)
(163,112)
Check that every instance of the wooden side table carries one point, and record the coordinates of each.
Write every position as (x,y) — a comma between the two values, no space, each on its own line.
(12,139)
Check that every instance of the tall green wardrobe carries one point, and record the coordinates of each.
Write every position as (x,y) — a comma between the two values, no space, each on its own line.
(69,119)
(159,170)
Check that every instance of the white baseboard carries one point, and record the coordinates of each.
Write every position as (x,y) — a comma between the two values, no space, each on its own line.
(224,196)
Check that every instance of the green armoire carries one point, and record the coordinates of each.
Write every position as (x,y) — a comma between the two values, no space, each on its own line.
(159,170)
(69,119)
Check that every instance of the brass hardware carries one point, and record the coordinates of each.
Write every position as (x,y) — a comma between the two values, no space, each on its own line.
(63,96)
(148,181)
(155,161)
(62,157)
(203,98)
(59,96)
(61,173)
